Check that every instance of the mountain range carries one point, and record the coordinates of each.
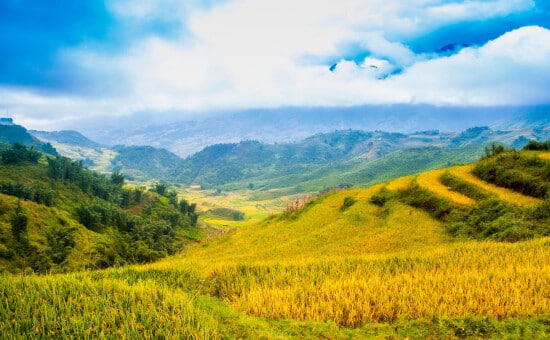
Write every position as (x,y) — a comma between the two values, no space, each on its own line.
(186,136)
(350,157)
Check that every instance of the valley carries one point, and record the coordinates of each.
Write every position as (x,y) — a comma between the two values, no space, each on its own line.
(439,254)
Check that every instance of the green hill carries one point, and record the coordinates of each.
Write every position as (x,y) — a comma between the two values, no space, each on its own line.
(55,215)
(65,137)
(442,254)
(10,134)
(146,162)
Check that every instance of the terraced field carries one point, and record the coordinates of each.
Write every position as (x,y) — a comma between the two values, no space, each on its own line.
(464,172)
(431,180)
(340,267)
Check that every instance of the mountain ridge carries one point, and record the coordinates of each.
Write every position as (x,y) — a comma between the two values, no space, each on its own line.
(187,136)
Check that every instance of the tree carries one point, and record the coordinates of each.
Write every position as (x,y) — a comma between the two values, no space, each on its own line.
(19,222)
(348,202)
(117,178)
(19,153)
(184,206)
(139,194)
(494,150)
(126,198)
(160,188)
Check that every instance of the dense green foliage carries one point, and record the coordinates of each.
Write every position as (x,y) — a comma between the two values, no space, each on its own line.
(19,153)
(526,174)
(60,216)
(348,202)
(534,145)
(147,162)
(225,214)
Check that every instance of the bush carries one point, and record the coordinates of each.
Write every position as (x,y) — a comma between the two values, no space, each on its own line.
(534,145)
(512,170)
(417,197)
(463,187)
(348,202)
(19,153)
(381,197)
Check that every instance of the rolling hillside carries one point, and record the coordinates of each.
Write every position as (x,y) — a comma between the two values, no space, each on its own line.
(312,164)
(403,259)
(57,216)
(10,134)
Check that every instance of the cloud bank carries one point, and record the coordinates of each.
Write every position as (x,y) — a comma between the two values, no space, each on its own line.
(123,56)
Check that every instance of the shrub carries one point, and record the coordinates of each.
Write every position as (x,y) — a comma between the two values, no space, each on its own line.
(348,202)
(381,197)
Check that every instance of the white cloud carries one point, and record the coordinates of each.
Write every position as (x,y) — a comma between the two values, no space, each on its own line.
(247,53)
(512,69)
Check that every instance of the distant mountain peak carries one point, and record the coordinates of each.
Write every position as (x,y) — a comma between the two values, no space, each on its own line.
(66,137)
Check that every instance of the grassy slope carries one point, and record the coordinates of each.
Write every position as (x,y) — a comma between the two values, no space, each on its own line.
(49,221)
(323,272)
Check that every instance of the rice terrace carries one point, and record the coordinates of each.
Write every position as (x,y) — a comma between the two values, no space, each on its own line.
(404,259)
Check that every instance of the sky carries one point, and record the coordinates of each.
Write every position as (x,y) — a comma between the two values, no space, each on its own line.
(64,60)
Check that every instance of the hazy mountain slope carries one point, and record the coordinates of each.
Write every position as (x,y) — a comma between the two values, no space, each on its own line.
(18,134)
(341,157)
(318,161)
(145,162)
(283,125)
(66,137)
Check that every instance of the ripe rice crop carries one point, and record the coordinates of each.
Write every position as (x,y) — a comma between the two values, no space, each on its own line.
(431,180)
(400,183)
(464,172)
(486,279)
(78,306)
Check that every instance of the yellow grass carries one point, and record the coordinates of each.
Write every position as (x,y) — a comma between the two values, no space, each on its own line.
(431,180)
(255,209)
(545,155)
(400,183)
(487,279)
(93,305)
(464,172)
(323,229)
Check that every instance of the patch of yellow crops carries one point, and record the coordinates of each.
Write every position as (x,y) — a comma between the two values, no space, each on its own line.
(485,279)
(545,155)
(324,230)
(85,307)
(400,183)
(464,172)
(431,180)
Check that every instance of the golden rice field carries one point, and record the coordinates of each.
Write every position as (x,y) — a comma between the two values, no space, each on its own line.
(400,183)
(85,306)
(431,180)
(487,279)
(545,155)
(464,172)
(322,272)
(322,229)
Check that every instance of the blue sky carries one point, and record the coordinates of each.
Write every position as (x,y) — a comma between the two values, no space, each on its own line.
(63,60)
